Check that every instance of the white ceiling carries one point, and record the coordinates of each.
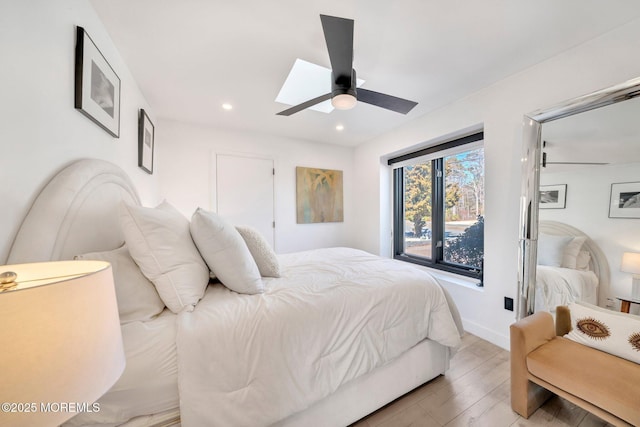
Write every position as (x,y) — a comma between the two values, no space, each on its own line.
(609,135)
(190,56)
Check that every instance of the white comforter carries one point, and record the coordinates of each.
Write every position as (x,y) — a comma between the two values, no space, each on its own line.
(560,286)
(250,360)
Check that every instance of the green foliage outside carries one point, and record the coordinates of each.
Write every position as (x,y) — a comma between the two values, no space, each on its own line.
(417,195)
(464,201)
(468,248)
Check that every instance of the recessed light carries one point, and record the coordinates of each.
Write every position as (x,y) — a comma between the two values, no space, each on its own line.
(339,127)
(227,106)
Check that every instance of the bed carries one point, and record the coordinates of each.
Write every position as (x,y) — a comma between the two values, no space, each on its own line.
(571,267)
(338,335)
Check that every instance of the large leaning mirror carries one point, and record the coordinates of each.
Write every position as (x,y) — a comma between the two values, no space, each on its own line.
(581,171)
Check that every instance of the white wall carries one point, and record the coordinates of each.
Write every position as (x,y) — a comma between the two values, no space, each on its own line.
(40,131)
(587,208)
(604,61)
(186,157)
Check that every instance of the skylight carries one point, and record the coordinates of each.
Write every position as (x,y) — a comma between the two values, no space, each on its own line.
(307,81)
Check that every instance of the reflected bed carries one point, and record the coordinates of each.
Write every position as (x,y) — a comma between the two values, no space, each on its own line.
(571,267)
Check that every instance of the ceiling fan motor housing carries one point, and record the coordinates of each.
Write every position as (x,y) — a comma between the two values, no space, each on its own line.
(342,84)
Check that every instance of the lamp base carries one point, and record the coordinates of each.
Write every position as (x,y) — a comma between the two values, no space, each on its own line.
(635,288)
(8,280)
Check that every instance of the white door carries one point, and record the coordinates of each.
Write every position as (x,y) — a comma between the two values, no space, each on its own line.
(244,192)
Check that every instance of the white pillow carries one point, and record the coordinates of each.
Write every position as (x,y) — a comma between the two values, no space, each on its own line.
(582,260)
(160,243)
(225,252)
(137,298)
(551,249)
(609,331)
(571,251)
(264,256)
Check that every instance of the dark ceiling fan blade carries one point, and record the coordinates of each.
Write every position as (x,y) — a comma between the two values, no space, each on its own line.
(389,102)
(545,163)
(307,104)
(338,33)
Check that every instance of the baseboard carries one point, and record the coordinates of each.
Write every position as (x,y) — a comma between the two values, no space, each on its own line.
(486,334)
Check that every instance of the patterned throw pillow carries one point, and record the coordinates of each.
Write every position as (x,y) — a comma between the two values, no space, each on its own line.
(265,257)
(609,331)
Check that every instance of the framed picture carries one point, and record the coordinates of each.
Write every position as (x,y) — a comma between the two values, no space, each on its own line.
(145,142)
(553,196)
(319,195)
(625,200)
(97,88)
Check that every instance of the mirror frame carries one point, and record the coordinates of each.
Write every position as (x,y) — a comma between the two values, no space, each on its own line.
(531,161)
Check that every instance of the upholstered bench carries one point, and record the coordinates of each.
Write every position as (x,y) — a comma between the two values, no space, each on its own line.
(543,363)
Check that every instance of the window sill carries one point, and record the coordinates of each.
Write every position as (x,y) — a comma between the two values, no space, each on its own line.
(455,279)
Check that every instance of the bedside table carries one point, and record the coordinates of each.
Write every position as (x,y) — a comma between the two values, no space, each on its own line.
(626,303)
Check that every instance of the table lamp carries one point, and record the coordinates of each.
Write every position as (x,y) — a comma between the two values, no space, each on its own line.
(631,264)
(60,340)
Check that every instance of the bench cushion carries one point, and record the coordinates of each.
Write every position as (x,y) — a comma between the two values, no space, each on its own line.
(606,381)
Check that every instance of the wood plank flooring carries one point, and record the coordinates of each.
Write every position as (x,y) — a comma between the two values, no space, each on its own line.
(474,392)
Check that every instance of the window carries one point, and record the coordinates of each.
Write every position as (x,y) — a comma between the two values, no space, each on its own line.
(439,206)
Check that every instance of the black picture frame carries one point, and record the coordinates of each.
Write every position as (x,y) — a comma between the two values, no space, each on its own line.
(553,196)
(625,200)
(146,142)
(97,86)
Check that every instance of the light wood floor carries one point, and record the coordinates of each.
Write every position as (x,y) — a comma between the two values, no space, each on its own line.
(473,392)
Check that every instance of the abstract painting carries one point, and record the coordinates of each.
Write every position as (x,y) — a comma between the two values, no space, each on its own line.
(319,195)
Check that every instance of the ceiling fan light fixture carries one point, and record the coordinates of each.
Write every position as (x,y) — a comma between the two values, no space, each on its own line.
(344,101)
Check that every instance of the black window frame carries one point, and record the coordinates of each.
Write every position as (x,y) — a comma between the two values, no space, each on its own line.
(438,209)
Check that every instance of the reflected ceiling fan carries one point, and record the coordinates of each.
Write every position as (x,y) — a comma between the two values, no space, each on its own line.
(338,33)
(545,162)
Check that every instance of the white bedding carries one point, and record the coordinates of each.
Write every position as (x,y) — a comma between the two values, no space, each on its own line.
(560,286)
(149,383)
(334,315)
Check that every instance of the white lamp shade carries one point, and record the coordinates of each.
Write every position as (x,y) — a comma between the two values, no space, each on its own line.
(630,262)
(60,340)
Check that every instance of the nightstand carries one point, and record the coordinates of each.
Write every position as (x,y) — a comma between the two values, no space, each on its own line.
(625,303)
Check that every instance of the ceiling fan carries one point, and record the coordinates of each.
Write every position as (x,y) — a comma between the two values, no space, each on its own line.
(338,33)
(546,162)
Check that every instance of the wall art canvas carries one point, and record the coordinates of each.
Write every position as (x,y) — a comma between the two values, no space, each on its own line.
(625,200)
(553,196)
(97,86)
(319,195)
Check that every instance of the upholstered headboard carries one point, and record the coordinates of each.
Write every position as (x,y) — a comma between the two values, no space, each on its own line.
(598,263)
(75,213)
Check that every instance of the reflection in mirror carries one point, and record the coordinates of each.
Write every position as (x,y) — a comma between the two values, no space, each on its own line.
(572,236)
(582,156)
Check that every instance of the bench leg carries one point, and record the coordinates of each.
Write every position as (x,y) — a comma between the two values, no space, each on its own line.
(526,397)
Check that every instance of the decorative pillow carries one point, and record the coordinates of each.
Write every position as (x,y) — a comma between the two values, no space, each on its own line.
(582,260)
(137,298)
(225,252)
(160,243)
(551,249)
(609,331)
(261,251)
(571,251)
